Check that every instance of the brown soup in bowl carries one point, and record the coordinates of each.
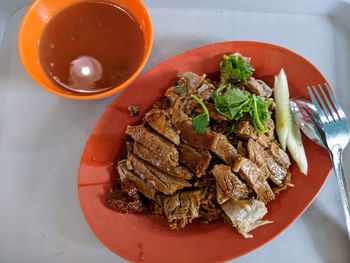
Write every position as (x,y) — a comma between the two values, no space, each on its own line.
(91,47)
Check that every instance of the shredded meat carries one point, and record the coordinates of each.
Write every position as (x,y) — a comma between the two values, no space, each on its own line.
(181,208)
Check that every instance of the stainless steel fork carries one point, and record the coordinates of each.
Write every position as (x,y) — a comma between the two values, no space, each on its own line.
(337,133)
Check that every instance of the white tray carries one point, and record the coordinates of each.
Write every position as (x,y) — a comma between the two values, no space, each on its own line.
(42,136)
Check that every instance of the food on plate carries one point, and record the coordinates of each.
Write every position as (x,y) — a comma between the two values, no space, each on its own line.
(91,45)
(206,151)
(287,130)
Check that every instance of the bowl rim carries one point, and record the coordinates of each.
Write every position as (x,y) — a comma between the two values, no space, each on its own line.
(101,95)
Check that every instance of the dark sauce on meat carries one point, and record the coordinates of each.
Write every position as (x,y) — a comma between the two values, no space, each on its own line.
(124,197)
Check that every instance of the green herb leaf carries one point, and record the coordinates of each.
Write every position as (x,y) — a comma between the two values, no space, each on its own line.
(201,121)
(260,113)
(235,68)
(231,130)
(234,103)
(179,90)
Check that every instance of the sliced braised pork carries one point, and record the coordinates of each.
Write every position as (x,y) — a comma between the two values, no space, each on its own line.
(278,173)
(147,155)
(160,121)
(256,153)
(280,156)
(196,160)
(144,186)
(228,186)
(225,150)
(155,143)
(266,163)
(162,182)
(202,141)
(250,172)
(245,131)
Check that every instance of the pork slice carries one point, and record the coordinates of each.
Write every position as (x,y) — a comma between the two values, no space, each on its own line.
(255,179)
(245,215)
(267,165)
(256,153)
(245,131)
(182,208)
(196,160)
(278,173)
(263,140)
(160,121)
(280,156)
(265,171)
(228,185)
(154,143)
(158,161)
(258,87)
(162,182)
(145,187)
(189,136)
(225,150)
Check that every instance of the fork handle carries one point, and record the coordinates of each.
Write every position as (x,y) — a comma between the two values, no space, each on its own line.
(336,155)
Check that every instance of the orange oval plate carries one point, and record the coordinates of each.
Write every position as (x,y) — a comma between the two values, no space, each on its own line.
(147,238)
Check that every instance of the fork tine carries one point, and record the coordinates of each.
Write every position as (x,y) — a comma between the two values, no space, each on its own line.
(325,109)
(317,106)
(330,106)
(335,103)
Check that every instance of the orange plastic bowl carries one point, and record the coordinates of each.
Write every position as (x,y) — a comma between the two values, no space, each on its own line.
(34,23)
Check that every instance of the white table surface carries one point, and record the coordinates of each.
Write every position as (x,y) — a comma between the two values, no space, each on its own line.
(42,137)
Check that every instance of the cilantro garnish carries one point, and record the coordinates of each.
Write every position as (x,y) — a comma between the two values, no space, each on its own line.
(233,103)
(235,68)
(201,121)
